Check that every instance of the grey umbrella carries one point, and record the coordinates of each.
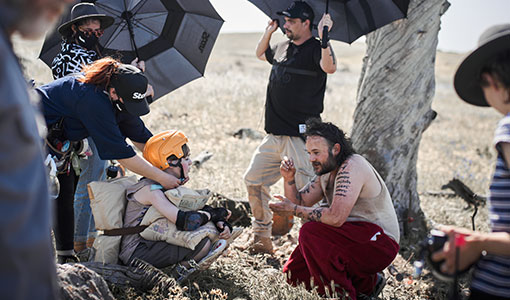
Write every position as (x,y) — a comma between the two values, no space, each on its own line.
(352,18)
(173,37)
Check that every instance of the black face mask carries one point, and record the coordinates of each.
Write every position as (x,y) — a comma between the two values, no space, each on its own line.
(88,42)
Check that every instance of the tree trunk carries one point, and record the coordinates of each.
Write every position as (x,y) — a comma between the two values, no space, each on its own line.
(393,108)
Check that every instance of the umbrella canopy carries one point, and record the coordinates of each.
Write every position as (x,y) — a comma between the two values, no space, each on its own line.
(351,18)
(173,37)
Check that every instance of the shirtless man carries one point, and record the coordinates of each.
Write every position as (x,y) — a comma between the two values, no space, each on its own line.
(355,234)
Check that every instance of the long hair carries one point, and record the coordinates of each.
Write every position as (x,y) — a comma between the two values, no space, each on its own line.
(100,72)
(333,135)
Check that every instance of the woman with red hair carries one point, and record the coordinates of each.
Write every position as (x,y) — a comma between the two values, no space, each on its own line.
(94,104)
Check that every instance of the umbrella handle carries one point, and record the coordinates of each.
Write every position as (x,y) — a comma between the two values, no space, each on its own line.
(325,37)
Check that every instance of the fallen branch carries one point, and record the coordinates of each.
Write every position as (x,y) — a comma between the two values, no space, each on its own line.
(201,158)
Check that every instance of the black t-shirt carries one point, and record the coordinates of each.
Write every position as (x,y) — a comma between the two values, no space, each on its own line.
(296,86)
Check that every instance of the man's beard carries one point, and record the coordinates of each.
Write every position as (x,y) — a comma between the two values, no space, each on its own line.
(290,35)
(327,167)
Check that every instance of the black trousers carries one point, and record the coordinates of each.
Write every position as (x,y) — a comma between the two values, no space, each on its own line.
(63,226)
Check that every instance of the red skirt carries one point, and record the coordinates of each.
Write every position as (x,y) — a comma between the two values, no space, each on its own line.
(347,257)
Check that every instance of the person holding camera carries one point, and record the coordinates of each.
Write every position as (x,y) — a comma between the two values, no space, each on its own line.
(91,105)
(483,79)
(346,243)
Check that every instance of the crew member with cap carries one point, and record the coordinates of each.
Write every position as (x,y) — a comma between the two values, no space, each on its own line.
(483,79)
(78,107)
(295,93)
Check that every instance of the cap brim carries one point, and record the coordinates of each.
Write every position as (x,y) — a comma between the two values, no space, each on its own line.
(137,108)
(284,13)
(106,21)
(467,77)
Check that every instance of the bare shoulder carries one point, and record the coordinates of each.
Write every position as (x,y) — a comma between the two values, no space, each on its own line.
(356,163)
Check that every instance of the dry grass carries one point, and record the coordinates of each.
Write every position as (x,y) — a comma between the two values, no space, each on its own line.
(231,96)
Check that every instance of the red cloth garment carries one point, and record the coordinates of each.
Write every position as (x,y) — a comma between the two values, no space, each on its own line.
(350,256)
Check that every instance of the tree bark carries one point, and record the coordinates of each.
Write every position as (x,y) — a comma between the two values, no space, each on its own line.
(393,108)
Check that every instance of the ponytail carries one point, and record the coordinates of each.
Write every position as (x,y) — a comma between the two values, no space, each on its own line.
(100,72)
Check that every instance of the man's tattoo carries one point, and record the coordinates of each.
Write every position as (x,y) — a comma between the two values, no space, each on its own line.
(300,198)
(292,182)
(300,215)
(342,183)
(315,215)
(295,209)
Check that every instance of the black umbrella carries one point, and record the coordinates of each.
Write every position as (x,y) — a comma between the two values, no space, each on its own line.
(173,37)
(351,18)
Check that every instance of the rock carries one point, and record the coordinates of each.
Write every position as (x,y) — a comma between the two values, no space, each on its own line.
(78,282)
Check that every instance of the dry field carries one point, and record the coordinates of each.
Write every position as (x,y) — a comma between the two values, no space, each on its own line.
(231,96)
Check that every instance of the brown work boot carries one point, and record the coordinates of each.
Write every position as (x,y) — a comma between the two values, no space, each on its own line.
(260,244)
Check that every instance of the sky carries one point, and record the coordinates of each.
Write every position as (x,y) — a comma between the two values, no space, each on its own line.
(461,25)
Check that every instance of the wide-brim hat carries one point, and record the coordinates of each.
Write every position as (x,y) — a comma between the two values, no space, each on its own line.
(83,11)
(493,41)
(131,85)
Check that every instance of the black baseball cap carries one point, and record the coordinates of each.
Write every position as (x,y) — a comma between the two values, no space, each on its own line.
(131,85)
(298,9)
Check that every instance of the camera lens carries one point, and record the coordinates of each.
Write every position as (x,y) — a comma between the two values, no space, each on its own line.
(112,171)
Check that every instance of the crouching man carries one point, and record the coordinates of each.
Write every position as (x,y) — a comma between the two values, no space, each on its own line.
(355,234)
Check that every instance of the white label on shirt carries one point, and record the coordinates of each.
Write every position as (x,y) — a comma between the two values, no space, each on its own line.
(302,128)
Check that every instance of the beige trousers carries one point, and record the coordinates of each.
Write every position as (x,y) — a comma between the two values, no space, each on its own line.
(264,171)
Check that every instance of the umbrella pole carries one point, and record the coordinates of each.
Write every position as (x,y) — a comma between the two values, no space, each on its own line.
(325,30)
(127,15)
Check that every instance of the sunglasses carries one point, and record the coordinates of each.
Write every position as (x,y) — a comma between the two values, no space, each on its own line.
(89,32)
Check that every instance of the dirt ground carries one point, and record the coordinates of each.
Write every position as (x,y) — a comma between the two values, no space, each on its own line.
(231,96)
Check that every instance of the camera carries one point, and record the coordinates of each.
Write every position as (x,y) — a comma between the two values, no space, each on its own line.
(435,242)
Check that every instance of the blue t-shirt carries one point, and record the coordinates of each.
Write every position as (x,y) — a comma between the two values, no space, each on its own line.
(492,272)
(87,111)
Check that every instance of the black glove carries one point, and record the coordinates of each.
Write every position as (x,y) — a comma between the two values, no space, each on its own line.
(217,213)
(190,220)
(225,223)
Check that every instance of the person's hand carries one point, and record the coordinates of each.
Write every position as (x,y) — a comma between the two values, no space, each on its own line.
(287,168)
(150,91)
(272,26)
(169,181)
(225,234)
(469,249)
(139,64)
(284,206)
(325,21)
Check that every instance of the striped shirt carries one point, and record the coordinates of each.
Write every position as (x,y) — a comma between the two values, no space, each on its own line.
(492,272)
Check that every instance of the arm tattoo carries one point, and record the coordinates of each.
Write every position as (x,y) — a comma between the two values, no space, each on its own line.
(342,183)
(292,182)
(300,198)
(295,209)
(315,215)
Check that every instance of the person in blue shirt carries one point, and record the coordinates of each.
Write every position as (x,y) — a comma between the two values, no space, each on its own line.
(94,104)
(27,268)
(483,79)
